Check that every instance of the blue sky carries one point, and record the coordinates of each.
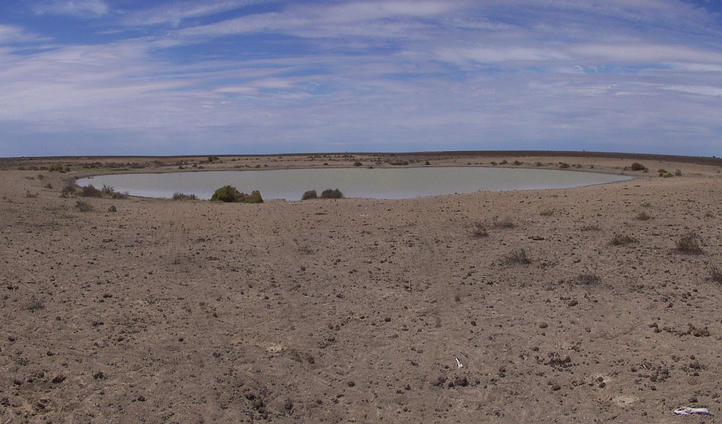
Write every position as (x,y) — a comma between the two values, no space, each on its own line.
(98,77)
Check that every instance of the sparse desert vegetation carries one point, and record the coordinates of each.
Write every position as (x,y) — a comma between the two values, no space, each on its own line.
(225,312)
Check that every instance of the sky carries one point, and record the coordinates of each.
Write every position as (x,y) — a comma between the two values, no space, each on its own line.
(119,77)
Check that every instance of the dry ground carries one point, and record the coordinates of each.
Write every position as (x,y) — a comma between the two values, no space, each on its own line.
(357,310)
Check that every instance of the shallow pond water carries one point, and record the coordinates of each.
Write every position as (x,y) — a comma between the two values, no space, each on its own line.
(378,183)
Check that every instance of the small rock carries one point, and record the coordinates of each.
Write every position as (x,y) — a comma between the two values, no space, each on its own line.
(58,379)
(543,325)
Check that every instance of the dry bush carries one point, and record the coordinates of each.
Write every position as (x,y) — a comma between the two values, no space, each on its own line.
(689,244)
(90,191)
(67,190)
(636,166)
(622,240)
(517,256)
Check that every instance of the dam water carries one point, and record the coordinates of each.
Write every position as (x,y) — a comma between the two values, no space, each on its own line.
(378,183)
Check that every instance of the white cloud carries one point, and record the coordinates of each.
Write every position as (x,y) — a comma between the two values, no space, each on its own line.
(79,8)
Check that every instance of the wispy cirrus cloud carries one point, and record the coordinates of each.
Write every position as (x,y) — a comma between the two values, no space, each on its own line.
(177,12)
(12,34)
(79,8)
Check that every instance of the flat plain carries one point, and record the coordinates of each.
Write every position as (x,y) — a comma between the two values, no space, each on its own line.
(591,304)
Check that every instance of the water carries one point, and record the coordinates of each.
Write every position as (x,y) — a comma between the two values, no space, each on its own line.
(378,183)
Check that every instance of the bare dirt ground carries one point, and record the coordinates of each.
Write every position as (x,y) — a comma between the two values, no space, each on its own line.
(561,305)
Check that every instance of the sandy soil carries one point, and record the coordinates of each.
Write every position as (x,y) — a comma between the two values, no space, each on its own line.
(357,310)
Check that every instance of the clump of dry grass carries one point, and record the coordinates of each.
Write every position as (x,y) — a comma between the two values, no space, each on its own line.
(517,257)
(587,279)
(590,227)
(505,222)
(689,244)
(622,240)
(547,212)
(35,305)
(642,216)
(83,206)
(716,275)
(479,230)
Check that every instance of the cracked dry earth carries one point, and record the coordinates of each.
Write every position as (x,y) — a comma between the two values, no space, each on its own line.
(357,310)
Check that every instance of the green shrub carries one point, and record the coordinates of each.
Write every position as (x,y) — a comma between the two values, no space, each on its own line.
(636,166)
(183,196)
(331,194)
(254,197)
(231,194)
(310,194)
